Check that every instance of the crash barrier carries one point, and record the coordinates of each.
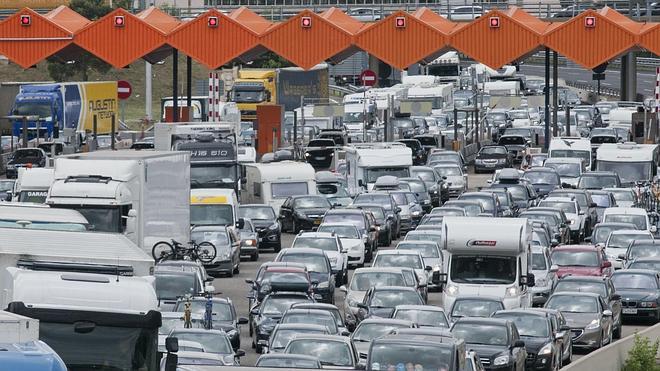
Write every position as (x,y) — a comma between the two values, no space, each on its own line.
(613,356)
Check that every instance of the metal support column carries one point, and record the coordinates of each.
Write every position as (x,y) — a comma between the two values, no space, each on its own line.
(547,98)
(555,98)
(175,83)
(629,77)
(189,85)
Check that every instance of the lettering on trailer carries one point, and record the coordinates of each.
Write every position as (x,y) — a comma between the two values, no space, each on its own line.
(489,243)
(103,108)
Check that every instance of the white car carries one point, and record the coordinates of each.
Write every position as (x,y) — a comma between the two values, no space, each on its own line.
(466,13)
(455,177)
(405,259)
(331,246)
(618,241)
(545,277)
(351,241)
(575,215)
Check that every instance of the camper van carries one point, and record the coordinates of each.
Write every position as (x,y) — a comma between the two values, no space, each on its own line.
(572,147)
(272,183)
(440,96)
(633,162)
(367,162)
(486,258)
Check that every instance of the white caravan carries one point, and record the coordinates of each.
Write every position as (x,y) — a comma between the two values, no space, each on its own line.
(368,161)
(271,183)
(576,147)
(633,162)
(488,259)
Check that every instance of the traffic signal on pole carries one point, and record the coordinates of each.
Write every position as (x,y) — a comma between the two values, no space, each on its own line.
(306,22)
(590,22)
(212,22)
(119,21)
(400,22)
(494,22)
(26,20)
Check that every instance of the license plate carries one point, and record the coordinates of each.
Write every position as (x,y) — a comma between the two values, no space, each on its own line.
(319,158)
(490,165)
(628,310)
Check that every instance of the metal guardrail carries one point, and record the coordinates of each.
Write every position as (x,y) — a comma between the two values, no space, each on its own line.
(591,88)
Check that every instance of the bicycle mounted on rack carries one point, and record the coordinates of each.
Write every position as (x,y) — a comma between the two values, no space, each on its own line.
(204,251)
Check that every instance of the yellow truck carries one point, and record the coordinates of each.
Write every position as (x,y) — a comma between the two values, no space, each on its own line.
(284,86)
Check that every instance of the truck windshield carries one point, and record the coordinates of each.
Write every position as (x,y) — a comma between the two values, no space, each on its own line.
(41,109)
(629,172)
(376,172)
(247,96)
(212,175)
(211,214)
(483,269)
(443,70)
(105,348)
(353,117)
(102,219)
(33,196)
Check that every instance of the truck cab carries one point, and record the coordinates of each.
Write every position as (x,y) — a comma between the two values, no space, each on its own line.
(32,185)
(251,88)
(486,258)
(369,161)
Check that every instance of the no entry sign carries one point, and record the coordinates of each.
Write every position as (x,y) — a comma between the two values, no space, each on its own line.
(368,78)
(124,89)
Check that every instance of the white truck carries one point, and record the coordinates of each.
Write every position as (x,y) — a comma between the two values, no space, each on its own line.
(366,162)
(17,329)
(32,184)
(488,259)
(447,67)
(271,183)
(633,162)
(142,194)
(441,96)
(505,88)
(577,147)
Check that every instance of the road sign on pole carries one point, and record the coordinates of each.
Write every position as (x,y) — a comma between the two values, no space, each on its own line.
(368,78)
(124,89)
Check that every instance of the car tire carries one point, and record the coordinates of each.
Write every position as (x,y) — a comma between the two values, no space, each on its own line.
(254,257)
(617,332)
(237,270)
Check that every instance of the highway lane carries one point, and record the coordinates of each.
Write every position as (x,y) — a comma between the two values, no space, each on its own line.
(236,289)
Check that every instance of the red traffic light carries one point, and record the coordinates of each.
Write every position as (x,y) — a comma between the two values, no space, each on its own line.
(212,21)
(400,22)
(119,21)
(26,20)
(306,22)
(494,22)
(590,22)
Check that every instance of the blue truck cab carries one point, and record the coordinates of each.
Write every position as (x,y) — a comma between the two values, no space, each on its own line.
(44,101)
(30,356)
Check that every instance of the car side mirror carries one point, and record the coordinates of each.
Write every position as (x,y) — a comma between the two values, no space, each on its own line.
(172,344)
(616,297)
(554,268)
(397,210)
(554,243)
(607,264)
(360,183)
(345,333)
(343,289)
(622,256)
(531,280)
(240,353)
(587,239)
(255,312)
(581,212)
(249,282)
(240,224)
(428,268)
(362,306)
(607,313)
(242,321)
(653,229)
(593,204)
(519,344)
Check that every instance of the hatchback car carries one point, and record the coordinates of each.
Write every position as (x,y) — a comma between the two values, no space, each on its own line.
(422,315)
(474,306)
(337,352)
(581,260)
(331,245)
(265,223)
(351,241)
(373,328)
(618,241)
(227,245)
(319,268)
(284,332)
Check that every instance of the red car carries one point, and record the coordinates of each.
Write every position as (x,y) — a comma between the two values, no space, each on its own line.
(580,260)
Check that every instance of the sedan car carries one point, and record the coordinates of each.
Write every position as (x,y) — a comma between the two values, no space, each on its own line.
(581,260)
(588,316)
(337,352)
(284,332)
(640,293)
(249,240)
(312,317)
(603,200)
(601,231)
(488,200)
(618,241)
(422,315)
(625,197)
(431,257)
(351,241)
(330,244)
(576,216)
(265,223)
(455,176)
(303,212)
(373,328)
(490,158)
(224,315)
(320,152)
(385,224)
(543,179)
(435,184)
(381,301)
(407,259)
(364,223)
(642,249)
(319,268)
(279,276)
(599,180)
(227,245)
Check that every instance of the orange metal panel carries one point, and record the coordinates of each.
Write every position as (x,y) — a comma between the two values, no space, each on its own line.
(401,47)
(306,47)
(435,20)
(590,47)
(344,21)
(159,19)
(213,46)
(29,45)
(251,20)
(527,19)
(495,47)
(650,38)
(67,19)
(621,20)
(119,46)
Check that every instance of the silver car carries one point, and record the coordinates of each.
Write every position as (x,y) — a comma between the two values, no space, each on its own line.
(227,244)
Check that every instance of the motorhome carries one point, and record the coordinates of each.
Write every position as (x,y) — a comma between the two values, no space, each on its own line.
(486,258)
(271,183)
(440,96)
(419,79)
(633,162)
(367,162)
(572,147)
(37,216)
(498,88)
(621,117)
(142,194)
(32,185)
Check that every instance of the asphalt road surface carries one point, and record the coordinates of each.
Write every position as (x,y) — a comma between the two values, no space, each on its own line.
(236,289)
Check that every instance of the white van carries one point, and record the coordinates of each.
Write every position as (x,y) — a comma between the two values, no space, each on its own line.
(272,183)
(487,259)
(572,147)
(32,184)
(213,206)
(569,168)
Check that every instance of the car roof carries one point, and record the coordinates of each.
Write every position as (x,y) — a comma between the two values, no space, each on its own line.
(301,326)
(394,288)
(397,252)
(526,311)
(333,224)
(388,321)
(303,251)
(308,311)
(426,307)
(377,270)
(316,235)
(576,248)
(416,242)
(319,306)
(576,293)
(649,272)
(344,211)
(335,338)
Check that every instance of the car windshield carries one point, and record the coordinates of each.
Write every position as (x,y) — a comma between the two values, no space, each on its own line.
(599,288)
(542,178)
(447,212)
(493,151)
(483,269)
(211,341)
(518,193)
(282,337)
(362,281)
(284,277)
(585,156)
(368,331)
(448,170)
(481,334)
(623,195)
(314,263)
(416,186)
(379,213)
(283,190)
(425,175)
(653,265)
(602,232)
(342,231)
(629,172)
(597,181)
(326,320)
(644,251)
(392,298)
(332,353)
(311,202)
(638,220)
(601,200)
(211,214)
(496,116)
(356,219)
(573,304)
(632,281)
(257,213)
(432,318)
(279,304)
(567,207)
(325,244)
(475,308)
(600,139)
(567,170)
(389,356)
(528,325)
(398,260)
(427,250)
(550,219)
(575,258)
(421,236)
(445,156)
(331,190)
(485,201)
(471,209)
(373,173)
(170,286)
(380,199)
(622,240)
(217,238)
(538,262)
(512,140)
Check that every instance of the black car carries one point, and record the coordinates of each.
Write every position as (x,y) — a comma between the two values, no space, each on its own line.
(490,158)
(495,340)
(418,152)
(523,196)
(543,179)
(224,315)
(279,276)
(418,187)
(303,212)
(25,157)
(319,268)
(319,153)
(435,184)
(384,223)
(264,316)
(387,202)
(266,223)
(380,301)
(428,141)
(537,330)
(640,293)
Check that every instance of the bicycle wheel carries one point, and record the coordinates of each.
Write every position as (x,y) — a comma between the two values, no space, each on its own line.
(162,250)
(206,252)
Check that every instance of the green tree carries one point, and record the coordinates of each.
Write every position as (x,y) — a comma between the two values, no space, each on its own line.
(85,63)
(641,356)
(270,60)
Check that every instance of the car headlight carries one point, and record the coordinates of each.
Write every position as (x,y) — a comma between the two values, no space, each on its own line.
(228,360)
(648,304)
(593,325)
(224,255)
(501,360)
(249,243)
(547,349)
(273,226)
(415,213)
(323,285)
(512,291)
(445,185)
(452,290)
(301,215)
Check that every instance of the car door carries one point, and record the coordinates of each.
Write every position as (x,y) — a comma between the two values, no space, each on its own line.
(235,241)
(519,354)
(286,214)
(607,320)
(614,301)
(371,228)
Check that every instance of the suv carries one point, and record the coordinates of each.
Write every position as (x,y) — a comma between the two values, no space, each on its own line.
(331,245)
(25,157)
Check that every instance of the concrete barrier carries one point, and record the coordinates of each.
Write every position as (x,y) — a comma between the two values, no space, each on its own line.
(613,356)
